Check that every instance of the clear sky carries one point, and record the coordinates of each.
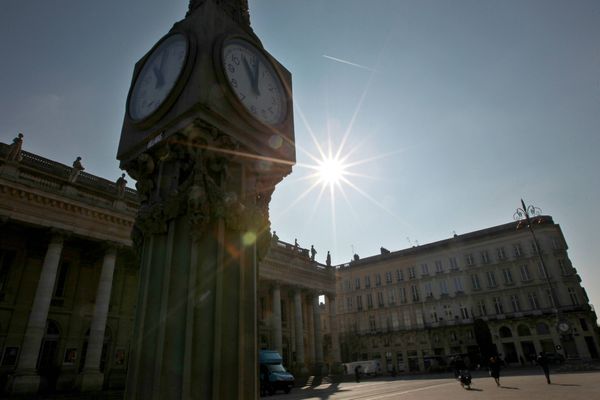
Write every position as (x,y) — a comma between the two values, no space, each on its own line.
(451,111)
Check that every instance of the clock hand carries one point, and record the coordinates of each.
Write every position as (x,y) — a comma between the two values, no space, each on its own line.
(159,77)
(256,88)
(251,75)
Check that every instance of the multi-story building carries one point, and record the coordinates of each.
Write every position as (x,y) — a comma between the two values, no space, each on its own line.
(416,307)
(69,276)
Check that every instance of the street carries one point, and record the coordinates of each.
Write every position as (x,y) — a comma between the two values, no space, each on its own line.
(524,385)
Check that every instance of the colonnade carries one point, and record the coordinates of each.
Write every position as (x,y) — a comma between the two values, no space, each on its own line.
(26,378)
(317,332)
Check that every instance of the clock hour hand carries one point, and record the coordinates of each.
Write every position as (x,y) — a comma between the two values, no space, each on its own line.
(252,76)
(160,80)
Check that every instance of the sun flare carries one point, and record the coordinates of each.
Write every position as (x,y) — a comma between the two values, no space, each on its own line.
(330,171)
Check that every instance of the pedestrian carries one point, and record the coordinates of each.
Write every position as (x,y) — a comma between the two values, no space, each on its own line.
(357,373)
(494,367)
(543,362)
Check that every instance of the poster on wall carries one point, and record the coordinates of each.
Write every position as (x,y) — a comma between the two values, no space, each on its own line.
(70,356)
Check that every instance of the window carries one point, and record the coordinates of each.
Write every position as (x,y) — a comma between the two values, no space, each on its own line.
(369,300)
(525,277)
(367,281)
(556,244)
(388,277)
(453,264)
(443,287)
(514,301)
(498,307)
(469,260)
(402,294)
(424,269)
(508,280)
(415,293)
(491,278)
(411,273)
(573,296)
(399,275)
(349,303)
(534,248)
(485,258)
(543,271)
(458,286)
(481,306)
(434,316)
(584,324)
(391,296)
(59,287)
(517,250)
(428,290)
(447,311)
(542,329)
(550,297)
(464,313)
(357,283)
(475,282)
(501,253)
(439,268)
(378,280)
(359,305)
(533,301)
(380,299)
(372,324)
(562,265)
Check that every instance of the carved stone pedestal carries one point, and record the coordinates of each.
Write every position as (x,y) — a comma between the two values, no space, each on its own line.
(201,227)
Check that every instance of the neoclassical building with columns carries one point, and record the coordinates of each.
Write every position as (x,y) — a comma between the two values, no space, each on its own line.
(69,277)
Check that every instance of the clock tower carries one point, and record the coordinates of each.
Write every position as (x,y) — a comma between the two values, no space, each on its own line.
(207,134)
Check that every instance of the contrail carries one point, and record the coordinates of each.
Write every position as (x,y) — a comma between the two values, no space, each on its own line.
(349,63)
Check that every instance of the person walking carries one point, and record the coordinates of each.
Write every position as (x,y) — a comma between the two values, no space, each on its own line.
(494,367)
(357,373)
(543,362)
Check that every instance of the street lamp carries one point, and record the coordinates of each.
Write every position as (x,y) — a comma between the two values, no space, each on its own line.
(528,216)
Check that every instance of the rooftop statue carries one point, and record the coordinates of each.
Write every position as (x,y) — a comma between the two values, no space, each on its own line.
(76,170)
(14,152)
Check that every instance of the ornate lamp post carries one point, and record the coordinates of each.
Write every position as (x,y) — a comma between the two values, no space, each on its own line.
(528,216)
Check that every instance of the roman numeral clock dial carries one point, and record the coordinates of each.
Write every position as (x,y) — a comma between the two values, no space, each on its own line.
(255,82)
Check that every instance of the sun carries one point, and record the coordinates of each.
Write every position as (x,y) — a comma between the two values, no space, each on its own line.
(331,171)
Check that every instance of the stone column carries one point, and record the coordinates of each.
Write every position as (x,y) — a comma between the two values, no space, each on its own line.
(299,330)
(26,379)
(318,335)
(277,341)
(333,328)
(91,378)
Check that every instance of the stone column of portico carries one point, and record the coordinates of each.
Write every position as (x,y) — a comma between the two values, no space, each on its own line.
(91,379)
(333,327)
(299,331)
(26,379)
(277,341)
(318,336)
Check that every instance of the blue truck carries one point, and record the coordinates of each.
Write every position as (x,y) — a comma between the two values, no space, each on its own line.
(272,374)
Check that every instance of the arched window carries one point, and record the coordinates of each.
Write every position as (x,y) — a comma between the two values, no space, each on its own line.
(505,332)
(542,329)
(523,330)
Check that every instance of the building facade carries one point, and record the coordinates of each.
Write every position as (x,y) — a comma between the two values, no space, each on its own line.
(417,307)
(69,276)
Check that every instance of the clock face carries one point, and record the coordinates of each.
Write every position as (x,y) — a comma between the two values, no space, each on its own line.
(254,81)
(563,327)
(158,76)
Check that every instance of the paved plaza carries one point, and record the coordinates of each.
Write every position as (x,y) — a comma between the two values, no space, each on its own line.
(529,385)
